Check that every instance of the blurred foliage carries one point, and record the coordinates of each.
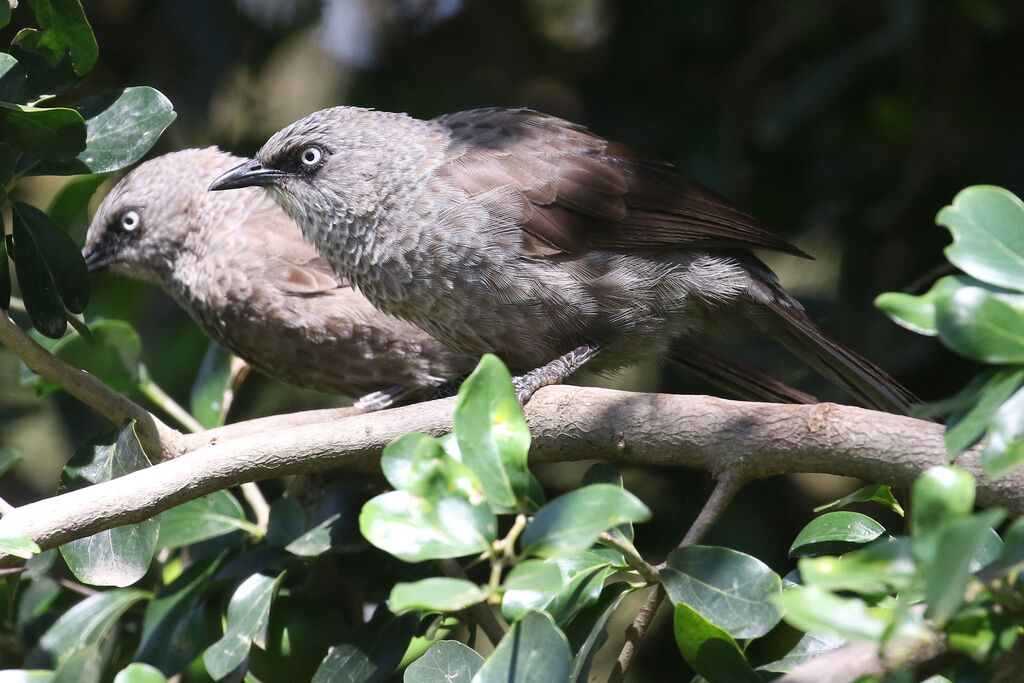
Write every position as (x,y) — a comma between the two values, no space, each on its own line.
(841,125)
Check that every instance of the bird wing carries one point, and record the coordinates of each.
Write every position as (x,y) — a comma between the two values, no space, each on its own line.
(292,263)
(577,191)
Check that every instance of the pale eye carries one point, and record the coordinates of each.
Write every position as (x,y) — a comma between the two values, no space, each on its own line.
(130,221)
(311,156)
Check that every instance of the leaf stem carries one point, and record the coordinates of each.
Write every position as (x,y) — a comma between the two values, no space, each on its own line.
(632,557)
(163,400)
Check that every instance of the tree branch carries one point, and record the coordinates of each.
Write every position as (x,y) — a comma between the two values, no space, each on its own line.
(746,440)
(157,438)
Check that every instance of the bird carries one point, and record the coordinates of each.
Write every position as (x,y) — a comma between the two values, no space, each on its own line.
(510,231)
(240,268)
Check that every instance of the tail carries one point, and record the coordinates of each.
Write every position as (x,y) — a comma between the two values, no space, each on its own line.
(737,379)
(859,376)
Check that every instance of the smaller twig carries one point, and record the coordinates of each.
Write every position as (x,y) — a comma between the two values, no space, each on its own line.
(480,612)
(635,634)
(260,507)
(632,557)
(155,393)
(76,587)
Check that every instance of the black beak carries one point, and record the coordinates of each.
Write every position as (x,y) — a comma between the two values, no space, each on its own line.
(250,174)
(97,259)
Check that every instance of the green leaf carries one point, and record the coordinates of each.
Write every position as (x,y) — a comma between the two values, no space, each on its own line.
(917,313)
(439,594)
(573,522)
(583,575)
(121,127)
(883,566)
(26,676)
(118,556)
(938,496)
(419,464)
(965,431)
(139,673)
(83,666)
(492,435)
(206,400)
(874,493)
(946,578)
(172,626)
(247,617)
(413,528)
(85,625)
(13,78)
(1011,556)
(447,661)
(534,649)
(810,646)
(19,546)
(372,652)
(112,354)
(834,533)
(1005,446)
(983,322)
(69,208)
(55,133)
(65,30)
(733,591)
(201,519)
(43,80)
(603,473)
(815,610)
(987,224)
(709,650)
(586,633)
(530,585)
(51,271)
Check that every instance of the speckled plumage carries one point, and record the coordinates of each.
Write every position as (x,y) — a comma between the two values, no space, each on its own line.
(511,231)
(239,266)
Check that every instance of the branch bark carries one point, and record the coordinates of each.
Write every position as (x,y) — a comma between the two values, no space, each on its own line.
(739,440)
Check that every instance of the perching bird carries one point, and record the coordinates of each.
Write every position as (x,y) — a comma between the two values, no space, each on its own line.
(519,233)
(239,266)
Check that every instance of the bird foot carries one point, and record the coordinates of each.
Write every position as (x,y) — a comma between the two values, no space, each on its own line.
(554,372)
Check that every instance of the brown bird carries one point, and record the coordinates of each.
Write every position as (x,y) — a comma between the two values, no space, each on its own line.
(239,266)
(512,231)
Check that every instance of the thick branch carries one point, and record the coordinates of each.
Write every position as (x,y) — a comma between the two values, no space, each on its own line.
(157,438)
(742,440)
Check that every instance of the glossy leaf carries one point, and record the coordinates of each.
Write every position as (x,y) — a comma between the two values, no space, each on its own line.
(983,322)
(54,134)
(373,651)
(1011,555)
(51,271)
(534,649)
(82,666)
(69,208)
(1005,445)
(202,518)
(139,673)
(413,528)
(709,650)
(968,428)
(447,661)
(27,676)
(419,464)
(835,532)
(122,126)
(938,496)
(439,594)
(987,224)
(815,610)
(946,578)
(13,78)
(118,556)
(206,400)
(586,633)
(492,435)
(171,628)
(883,566)
(19,546)
(603,473)
(733,591)
(247,617)
(86,624)
(582,577)
(874,493)
(572,522)
(113,354)
(810,646)
(917,313)
(530,585)
(64,30)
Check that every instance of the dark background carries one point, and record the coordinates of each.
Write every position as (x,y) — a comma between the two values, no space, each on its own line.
(845,126)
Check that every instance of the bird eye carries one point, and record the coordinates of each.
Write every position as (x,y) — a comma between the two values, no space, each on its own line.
(130,221)
(311,156)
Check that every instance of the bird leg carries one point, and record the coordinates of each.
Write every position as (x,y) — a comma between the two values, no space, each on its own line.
(379,400)
(554,372)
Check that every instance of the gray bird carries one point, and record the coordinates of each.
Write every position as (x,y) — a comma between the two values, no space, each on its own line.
(239,266)
(519,233)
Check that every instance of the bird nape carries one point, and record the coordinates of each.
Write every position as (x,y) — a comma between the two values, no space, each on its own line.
(518,233)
